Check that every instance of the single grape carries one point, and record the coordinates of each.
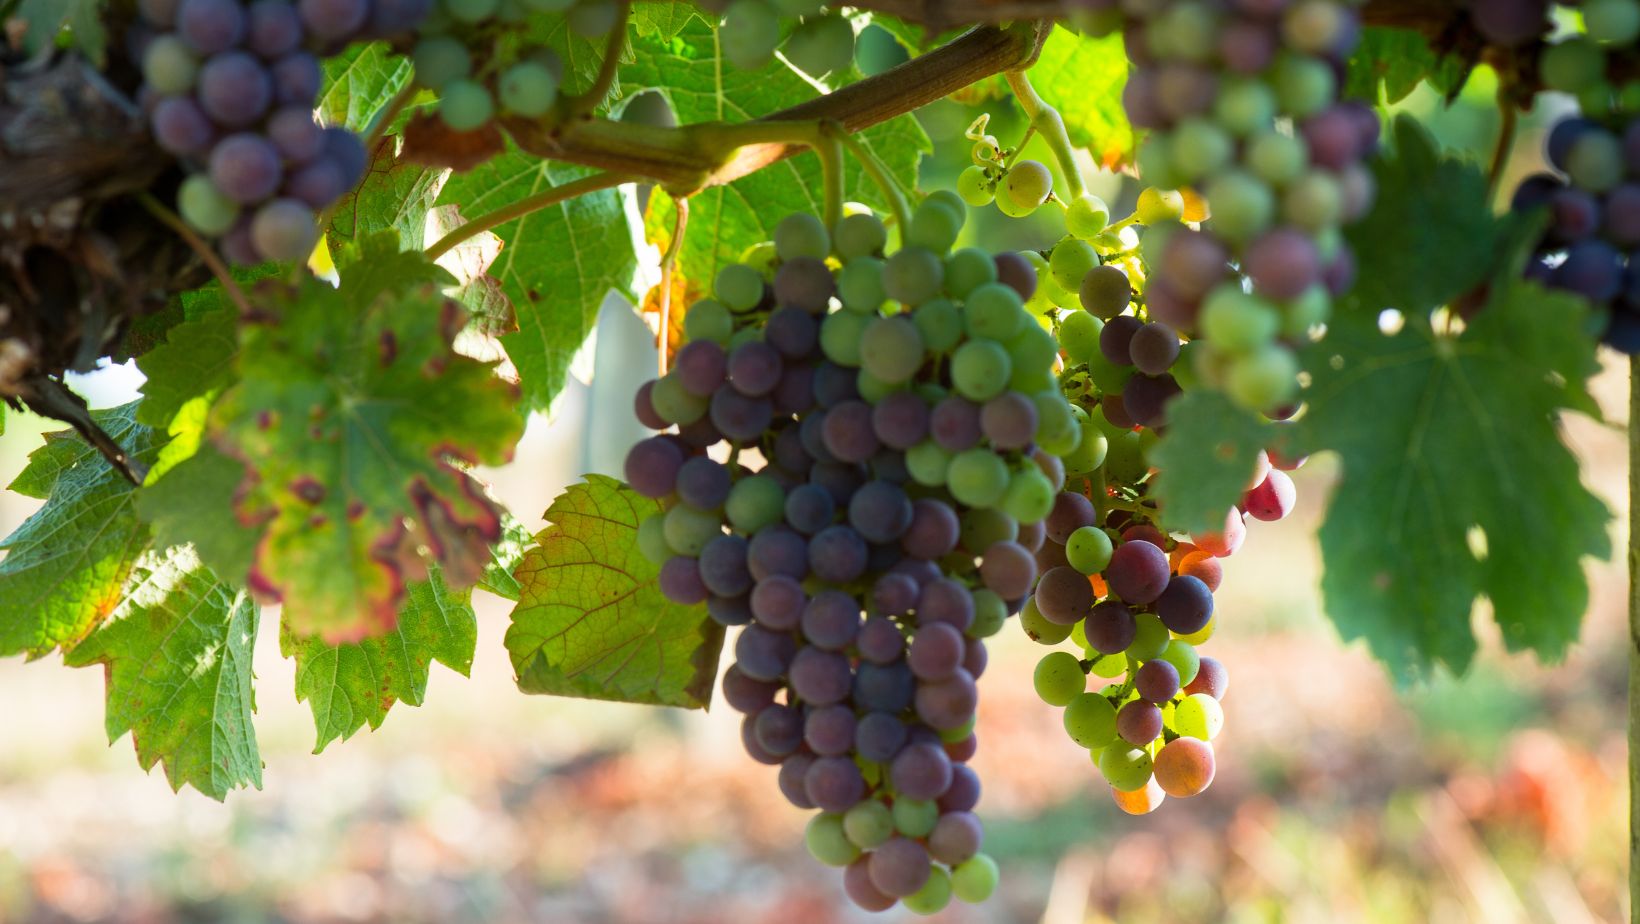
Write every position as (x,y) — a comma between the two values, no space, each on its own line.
(235,90)
(1028,184)
(204,207)
(528,88)
(465,105)
(169,65)
(284,230)
(1185,767)
(245,168)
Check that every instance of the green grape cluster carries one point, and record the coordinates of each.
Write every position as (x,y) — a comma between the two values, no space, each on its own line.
(1595,65)
(814,39)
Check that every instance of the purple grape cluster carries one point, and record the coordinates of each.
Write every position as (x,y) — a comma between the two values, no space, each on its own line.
(1241,101)
(856,481)
(230,88)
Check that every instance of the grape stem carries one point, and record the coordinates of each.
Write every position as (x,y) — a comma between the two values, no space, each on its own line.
(525,206)
(669,263)
(830,151)
(1047,121)
(1506,140)
(583,104)
(1030,132)
(212,262)
(879,174)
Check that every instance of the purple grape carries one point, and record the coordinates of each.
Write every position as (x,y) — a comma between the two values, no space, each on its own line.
(921,771)
(1593,269)
(955,838)
(963,793)
(296,81)
(723,566)
(809,509)
(880,641)
(1116,338)
(880,511)
(652,466)
(831,620)
(729,611)
(789,453)
(777,602)
(795,393)
(829,730)
(894,594)
(820,677)
(1137,573)
(245,167)
(1622,224)
(804,283)
(1186,606)
(945,600)
(763,654)
(739,418)
(1141,99)
(1110,628)
(1248,46)
(1154,348)
(900,420)
(834,384)
(333,20)
(861,890)
(1334,138)
(1009,420)
(1139,723)
(1017,273)
(839,479)
(1339,275)
(320,183)
(274,30)
(879,736)
(936,652)
(793,778)
(1283,264)
(837,554)
(679,581)
(701,366)
(1156,681)
(1071,511)
(237,245)
(1184,90)
(779,730)
(1211,678)
(1008,570)
(884,687)
(181,127)
(955,424)
(933,531)
(211,26)
(900,867)
(389,18)
(754,369)
(347,150)
(235,90)
(975,658)
(284,230)
(161,13)
(1631,147)
(1193,262)
(1564,136)
(950,703)
(1509,23)
(748,740)
(848,433)
(703,483)
(293,131)
(792,331)
(811,430)
(1064,596)
(834,784)
(1145,398)
(745,694)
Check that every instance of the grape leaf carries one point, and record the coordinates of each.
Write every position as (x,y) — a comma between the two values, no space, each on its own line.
(505,555)
(1456,483)
(1431,235)
(1083,78)
(1205,459)
(196,359)
(663,20)
(350,416)
(556,265)
(359,83)
(177,657)
(1390,63)
(394,195)
(193,504)
(46,18)
(65,566)
(591,620)
(725,220)
(353,684)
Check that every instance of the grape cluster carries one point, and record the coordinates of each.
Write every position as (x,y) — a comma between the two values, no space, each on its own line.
(1592,244)
(472,53)
(230,88)
(1585,64)
(865,450)
(1240,98)
(819,43)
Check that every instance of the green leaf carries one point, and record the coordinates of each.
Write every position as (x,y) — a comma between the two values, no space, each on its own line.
(1456,483)
(591,620)
(725,220)
(1390,63)
(393,196)
(193,504)
(352,685)
(1083,78)
(663,20)
(1431,235)
(1205,460)
(196,360)
(65,566)
(353,417)
(84,19)
(177,655)
(505,555)
(359,83)
(557,264)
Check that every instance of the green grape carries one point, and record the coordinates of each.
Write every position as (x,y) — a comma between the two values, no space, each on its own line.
(990,614)
(1300,315)
(928,463)
(1263,379)
(1057,429)
(749,34)
(1615,22)
(1090,720)
(915,818)
(1184,368)
(913,275)
(1243,206)
(934,895)
(744,335)
(1090,452)
(975,879)
(861,235)
(801,235)
(977,477)
(1109,666)
(169,65)
(673,403)
(980,369)
(204,207)
(891,349)
(708,319)
(1238,322)
(470,11)
(688,530)
(1030,495)
(1277,158)
(528,89)
(754,503)
(949,199)
(1032,352)
(1028,185)
(1127,769)
(967,270)
(940,323)
(1190,31)
(934,227)
(993,312)
(1595,162)
(873,389)
(465,105)
(1151,639)
(738,286)
(1059,678)
(1160,205)
(1304,86)
(1572,65)
(1087,216)
(1155,162)
(827,842)
(652,539)
(980,528)
(974,186)
(1596,97)
(761,258)
(1182,655)
(1201,148)
(821,45)
(1245,106)
(1089,549)
(1070,261)
(1199,715)
(840,335)
(869,824)
(1037,626)
(860,285)
(1314,202)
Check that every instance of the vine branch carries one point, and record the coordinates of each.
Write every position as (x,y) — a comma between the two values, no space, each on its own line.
(1047,122)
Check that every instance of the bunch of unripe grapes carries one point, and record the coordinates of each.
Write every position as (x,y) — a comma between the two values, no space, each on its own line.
(229,88)
(1592,241)
(1579,64)
(1240,98)
(819,42)
(866,444)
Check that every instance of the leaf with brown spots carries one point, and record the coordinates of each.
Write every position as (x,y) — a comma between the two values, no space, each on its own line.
(428,141)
